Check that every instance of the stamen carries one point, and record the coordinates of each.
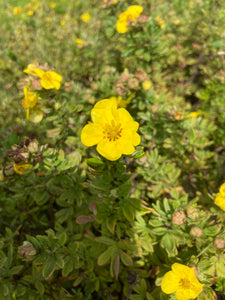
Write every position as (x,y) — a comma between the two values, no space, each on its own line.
(112,131)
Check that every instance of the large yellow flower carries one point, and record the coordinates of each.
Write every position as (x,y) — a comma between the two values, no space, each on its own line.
(131,14)
(113,130)
(181,281)
(220,197)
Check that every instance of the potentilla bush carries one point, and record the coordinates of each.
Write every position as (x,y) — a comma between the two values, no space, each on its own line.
(112,150)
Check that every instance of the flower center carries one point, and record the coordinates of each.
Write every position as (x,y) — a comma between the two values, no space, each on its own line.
(184,283)
(112,131)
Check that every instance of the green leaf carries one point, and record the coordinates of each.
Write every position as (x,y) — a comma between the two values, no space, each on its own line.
(68,266)
(168,243)
(126,259)
(106,255)
(117,266)
(15,270)
(159,230)
(49,267)
(39,286)
(129,212)
(105,240)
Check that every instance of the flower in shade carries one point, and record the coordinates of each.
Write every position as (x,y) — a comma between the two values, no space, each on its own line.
(19,169)
(85,17)
(112,129)
(220,197)
(49,79)
(181,281)
(29,101)
(131,14)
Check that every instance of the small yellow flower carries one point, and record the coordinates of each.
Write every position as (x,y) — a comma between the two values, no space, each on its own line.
(176,21)
(79,41)
(113,130)
(85,17)
(19,31)
(181,281)
(131,14)
(194,115)
(30,12)
(17,10)
(122,102)
(30,69)
(49,79)
(146,85)
(159,22)
(63,22)
(19,169)
(29,101)
(52,5)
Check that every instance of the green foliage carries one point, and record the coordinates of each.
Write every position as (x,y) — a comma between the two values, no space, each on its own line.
(74,225)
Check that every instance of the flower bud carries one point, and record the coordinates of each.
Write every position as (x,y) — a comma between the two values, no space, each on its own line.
(8,170)
(196,231)
(178,217)
(219,243)
(133,83)
(27,250)
(33,146)
(192,213)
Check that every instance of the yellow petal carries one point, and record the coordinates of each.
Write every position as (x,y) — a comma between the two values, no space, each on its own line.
(91,134)
(136,139)
(170,283)
(222,189)
(109,150)
(104,111)
(181,270)
(39,72)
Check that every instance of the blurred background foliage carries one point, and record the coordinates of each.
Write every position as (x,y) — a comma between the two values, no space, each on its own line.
(75,226)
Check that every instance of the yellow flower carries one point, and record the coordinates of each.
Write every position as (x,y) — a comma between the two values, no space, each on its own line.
(222,189)
(159,22)
(122,102)
(49,79)
(30,69)
(194,115)
(85,17)
(181,281)
(131,14)
(79,41)
(19,169)
(30,12)
(17,10)
(220,197)
(29,101)
(113,130)
(52,5)
(62,22)
(176,21)
(146,85)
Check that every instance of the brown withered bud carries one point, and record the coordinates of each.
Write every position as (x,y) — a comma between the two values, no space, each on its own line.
(142,76)
(178,217)
(219,243)
(133,83)
(196,231)
(27,250)
(8,170)
(192,213)
(33,146)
